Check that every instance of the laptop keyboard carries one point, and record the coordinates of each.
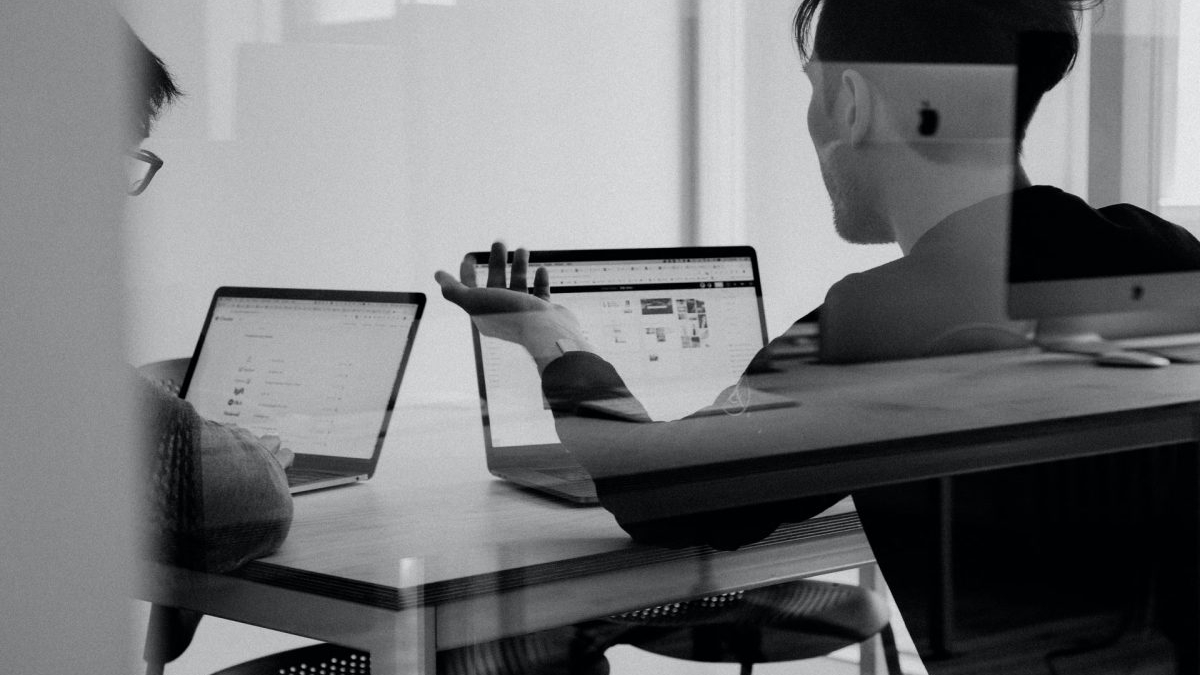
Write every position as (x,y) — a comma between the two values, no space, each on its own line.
(305,476)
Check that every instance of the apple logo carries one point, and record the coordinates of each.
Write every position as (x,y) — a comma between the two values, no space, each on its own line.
(1137,292)
(929,120)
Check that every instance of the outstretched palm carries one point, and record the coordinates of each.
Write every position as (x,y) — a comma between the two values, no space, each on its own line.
(505,309)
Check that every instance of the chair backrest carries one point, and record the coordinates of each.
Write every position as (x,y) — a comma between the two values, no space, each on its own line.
(167,374)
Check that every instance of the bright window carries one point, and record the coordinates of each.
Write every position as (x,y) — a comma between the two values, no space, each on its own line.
(1181,151)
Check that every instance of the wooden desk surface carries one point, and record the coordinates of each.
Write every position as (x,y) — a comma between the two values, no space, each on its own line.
(433,530)
(853,406)
(866,425)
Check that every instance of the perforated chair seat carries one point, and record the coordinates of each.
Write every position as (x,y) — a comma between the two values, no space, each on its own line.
(323,659)
(547,653)
(785,622)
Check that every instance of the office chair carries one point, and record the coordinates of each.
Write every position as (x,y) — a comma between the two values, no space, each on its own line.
(786,622)
(524,655)
(168,373)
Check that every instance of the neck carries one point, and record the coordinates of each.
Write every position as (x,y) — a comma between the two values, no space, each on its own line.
(921,199)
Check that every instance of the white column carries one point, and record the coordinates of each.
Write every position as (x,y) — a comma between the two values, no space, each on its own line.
(720,122)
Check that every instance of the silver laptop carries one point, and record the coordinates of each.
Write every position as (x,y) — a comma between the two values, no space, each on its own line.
(318,368)
(679,324)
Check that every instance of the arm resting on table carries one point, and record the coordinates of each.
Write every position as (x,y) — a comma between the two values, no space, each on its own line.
(608,448)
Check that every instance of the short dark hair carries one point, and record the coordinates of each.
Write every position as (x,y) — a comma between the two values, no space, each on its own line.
(153,86)
(951,31)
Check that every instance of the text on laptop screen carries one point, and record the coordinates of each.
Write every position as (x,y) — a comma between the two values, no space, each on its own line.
(316,373)
(677,330)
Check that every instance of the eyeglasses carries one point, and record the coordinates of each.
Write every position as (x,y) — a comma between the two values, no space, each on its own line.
(140,167)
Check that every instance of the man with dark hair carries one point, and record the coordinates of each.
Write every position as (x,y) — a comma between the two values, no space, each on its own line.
(946,31)
(948,205)
(213,496)
(153,88)
(218,495)
(947,208)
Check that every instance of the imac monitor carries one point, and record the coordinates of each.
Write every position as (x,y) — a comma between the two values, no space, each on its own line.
(1087,280)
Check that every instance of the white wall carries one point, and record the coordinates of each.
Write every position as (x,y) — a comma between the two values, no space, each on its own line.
(67,450)
(370,155)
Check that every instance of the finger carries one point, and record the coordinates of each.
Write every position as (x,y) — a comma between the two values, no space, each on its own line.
(541,283)
(271,442)
(452,289)
(497,261)
(466,271)
(241,433)
(285,457)
(472,300)
(519,267)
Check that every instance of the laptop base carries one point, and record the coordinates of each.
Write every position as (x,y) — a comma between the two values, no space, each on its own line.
(570,484)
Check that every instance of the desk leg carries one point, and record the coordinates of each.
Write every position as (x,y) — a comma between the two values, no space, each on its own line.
(1189,644)
(1177,591)
(941,620)
(410,649)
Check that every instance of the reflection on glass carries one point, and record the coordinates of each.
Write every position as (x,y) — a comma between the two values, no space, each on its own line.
(351,11)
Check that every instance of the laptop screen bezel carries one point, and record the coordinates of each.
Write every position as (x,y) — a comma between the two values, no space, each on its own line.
(325,462)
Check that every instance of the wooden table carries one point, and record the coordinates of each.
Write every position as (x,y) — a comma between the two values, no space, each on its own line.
(433,553)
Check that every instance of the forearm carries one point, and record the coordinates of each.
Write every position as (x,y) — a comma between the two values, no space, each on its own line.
(214,497)
(248,509)
(634,460)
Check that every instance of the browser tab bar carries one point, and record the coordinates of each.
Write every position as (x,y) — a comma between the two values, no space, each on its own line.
(711,272)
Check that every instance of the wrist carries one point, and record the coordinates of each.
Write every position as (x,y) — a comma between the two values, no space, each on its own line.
(557,347)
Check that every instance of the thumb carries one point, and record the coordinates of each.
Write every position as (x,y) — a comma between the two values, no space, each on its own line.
(452,289)
(285,457)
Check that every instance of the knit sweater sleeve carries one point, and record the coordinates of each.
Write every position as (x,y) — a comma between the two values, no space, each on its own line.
(214,496)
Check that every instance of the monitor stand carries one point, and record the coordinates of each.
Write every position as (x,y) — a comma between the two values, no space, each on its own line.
(1072,335)
(1097,334)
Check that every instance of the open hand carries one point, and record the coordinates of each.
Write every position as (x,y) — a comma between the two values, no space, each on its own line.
(505,308)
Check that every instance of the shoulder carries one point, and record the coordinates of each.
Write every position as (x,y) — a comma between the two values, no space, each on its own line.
(889,283)
(161,411)
(1057,235)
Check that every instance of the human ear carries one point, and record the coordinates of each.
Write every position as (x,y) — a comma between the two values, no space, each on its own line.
(858,112)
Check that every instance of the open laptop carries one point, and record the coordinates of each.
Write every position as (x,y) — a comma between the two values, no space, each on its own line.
(679,324)
(318,368)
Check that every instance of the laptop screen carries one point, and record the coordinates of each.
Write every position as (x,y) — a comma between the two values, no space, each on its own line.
(678,330)
(319,373)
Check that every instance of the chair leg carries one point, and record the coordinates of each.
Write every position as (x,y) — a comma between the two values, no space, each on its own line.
(747,668)
(890,654)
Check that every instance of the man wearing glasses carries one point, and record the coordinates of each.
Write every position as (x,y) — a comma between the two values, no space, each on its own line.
(232,475)
(140,167)
(216,495)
